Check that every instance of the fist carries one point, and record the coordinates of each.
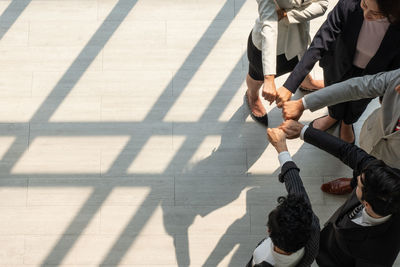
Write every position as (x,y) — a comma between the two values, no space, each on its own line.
(269,90)
(277,138)
(292,110)
(291,128)
(283,95)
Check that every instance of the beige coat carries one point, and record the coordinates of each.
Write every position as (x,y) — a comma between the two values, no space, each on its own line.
(291,35)
(377,135)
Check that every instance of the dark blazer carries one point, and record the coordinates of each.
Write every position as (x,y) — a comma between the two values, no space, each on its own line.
(290,176)
(334,45)
(353,245)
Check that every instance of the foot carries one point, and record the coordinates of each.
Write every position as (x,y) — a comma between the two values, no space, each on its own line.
(347,133)
(340,186)
(311,84)
(256,106)
(324,123)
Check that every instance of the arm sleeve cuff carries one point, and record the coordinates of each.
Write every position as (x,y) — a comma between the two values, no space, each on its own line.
(303,131)
(284,157)
(304,103)
(285,168)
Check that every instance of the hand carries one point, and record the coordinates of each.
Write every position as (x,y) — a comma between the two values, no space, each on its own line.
(277,138)
(397,88)
(283,95)
(292,110)
(269,89)
(281,14)
(291,128)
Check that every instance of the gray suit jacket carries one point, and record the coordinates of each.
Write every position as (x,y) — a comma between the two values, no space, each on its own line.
(377,136)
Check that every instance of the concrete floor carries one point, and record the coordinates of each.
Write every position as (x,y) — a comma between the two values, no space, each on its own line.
(124,139)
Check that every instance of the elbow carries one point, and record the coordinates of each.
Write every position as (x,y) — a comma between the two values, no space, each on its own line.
(324,6)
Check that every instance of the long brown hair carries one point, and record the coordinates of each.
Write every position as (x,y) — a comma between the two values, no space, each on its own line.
(391,9)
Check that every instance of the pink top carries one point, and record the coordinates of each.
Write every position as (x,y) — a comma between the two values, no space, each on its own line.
(369,40)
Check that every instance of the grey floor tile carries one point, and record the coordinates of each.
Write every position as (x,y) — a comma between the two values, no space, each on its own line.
(12,251)
(122,125)
(13,192)
(113,191)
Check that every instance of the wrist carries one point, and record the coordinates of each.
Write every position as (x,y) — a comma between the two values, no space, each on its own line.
(300,103)
(285,90)
(281,147)
(269,78)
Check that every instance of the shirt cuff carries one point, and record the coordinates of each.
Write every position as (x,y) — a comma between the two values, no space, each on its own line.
(284,157)
(304,103)
(303,131)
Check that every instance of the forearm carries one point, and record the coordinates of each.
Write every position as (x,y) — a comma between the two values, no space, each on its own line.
(353,89)
(307,13)
(269,33)
(349,154)
(291,177)
(322,42)
(269,48)
(301,70)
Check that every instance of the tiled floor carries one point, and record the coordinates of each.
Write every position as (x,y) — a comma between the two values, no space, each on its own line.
(124,139)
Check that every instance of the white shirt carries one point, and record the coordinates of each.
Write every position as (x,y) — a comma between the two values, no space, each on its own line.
(284,157)
(265,252)
(369,40)
(364,219)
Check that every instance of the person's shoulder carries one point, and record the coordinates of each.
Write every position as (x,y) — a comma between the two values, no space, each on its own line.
(349,5)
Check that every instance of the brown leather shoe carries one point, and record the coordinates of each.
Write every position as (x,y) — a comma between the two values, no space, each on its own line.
(340,186)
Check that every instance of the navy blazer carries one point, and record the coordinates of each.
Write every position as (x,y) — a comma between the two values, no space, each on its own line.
(334,46)
(372,246)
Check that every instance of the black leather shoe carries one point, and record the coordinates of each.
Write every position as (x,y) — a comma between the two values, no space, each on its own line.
(261,119)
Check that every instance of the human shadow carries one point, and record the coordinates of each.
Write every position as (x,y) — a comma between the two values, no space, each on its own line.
(260,201)
(212,183)
(262,197)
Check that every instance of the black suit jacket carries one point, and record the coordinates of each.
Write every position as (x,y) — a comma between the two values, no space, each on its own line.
(353,246)
(290,176)
(334,45)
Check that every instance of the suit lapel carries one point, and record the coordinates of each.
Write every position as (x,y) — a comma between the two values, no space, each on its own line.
(357,232)
(387,50)
(356,21)
(350,203)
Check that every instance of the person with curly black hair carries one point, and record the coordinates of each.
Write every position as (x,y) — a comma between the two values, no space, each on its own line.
(293,228)
(365,230)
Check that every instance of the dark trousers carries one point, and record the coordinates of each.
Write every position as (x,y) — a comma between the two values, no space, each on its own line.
(254,56)
(349,112)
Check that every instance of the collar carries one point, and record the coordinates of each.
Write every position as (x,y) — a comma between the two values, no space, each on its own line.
(286,260)
(367,220)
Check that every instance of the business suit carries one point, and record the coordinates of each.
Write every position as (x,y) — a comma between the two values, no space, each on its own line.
(334,46)
(344,243)
(290,176)
(377,135)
